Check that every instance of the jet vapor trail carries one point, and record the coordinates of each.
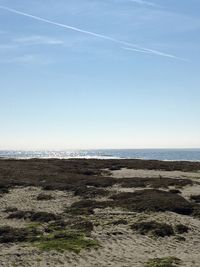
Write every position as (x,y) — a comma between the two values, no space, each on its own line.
(155,52)
(133,47)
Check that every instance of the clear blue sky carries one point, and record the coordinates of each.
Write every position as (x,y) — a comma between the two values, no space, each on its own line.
(127,75)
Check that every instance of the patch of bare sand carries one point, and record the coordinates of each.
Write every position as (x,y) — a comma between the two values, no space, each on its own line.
(186,191)
(122,247)
(131,173)
(25,198)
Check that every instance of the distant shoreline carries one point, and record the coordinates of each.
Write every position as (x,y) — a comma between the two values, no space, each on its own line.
(101,159)
(96,163)
(192,155)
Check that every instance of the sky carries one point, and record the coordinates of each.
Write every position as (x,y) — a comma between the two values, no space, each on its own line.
(89,74)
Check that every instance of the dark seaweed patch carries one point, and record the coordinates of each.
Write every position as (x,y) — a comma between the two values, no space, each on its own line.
(153,200)
(34,216)
(153,228)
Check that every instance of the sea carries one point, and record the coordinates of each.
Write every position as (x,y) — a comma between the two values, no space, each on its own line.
(156,154)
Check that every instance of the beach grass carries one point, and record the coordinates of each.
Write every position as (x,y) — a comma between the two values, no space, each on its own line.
(63,240)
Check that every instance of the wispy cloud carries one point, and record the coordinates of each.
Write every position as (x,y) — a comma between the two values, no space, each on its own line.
(38,40)
(7,46)
(134,47)
(145,3)
(26,59)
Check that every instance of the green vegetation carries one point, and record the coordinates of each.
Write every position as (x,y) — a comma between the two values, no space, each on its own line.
(78,224)
(57,235)
(33,225)
(62,241)
(163,262)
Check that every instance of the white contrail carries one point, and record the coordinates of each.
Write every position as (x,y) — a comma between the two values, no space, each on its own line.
(136,50)
(135,47)
(155,52)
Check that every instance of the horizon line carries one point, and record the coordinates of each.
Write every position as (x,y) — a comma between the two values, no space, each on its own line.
(78,149)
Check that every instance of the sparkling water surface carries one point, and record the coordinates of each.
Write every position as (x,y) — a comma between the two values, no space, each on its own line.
(158,154)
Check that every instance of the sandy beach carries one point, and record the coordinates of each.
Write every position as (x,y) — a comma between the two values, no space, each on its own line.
(99,213)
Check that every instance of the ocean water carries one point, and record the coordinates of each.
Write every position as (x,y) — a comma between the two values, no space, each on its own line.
(158,154)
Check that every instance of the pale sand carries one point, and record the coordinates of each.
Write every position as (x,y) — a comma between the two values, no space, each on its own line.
(130,173)
(126,249)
